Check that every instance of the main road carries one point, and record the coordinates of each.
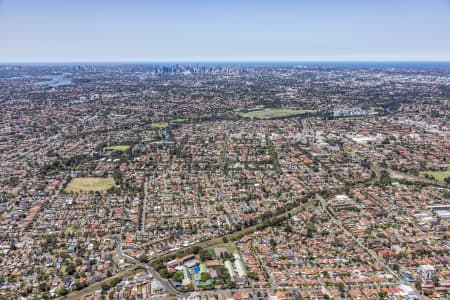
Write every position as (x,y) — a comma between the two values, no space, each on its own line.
(164,282)
(324,207)
(156,276)
(144,206)
(168,287)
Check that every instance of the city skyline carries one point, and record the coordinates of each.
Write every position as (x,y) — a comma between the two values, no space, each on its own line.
(235,31)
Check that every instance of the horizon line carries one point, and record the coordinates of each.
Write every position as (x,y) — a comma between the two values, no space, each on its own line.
(220,61)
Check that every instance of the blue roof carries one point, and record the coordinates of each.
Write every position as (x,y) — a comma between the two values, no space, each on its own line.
(407,277)
(196,269)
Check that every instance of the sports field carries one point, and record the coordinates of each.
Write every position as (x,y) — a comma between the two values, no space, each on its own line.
(117,148)
(438,175)
(90,184)
(230,246)
(159,125)
(271,113)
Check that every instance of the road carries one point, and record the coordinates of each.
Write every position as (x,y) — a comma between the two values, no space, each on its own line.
(164,282)
(169,287)
(262,264)
(144,206)
(323,204)
(180,295)
(221,293)
(324,207)
(96,286)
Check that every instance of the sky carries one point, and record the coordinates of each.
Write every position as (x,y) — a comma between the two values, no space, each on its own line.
(224,30)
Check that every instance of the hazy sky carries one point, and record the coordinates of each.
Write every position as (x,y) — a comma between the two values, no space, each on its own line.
(232,30)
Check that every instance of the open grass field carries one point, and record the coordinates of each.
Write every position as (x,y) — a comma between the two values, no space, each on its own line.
(117,148)
(438,175)
(271,113)
(90,184)
(159,125)
(230,246)
(71,229)
(178,121)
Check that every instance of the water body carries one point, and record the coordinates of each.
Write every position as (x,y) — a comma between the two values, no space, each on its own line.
(55,80)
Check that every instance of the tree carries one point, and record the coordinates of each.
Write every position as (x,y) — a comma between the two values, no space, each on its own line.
(115,281)
(447,180)
(382,295)
(205,254)
(43,286)
(396,267)
(418,284)
(272,242)
(204,276)
(143,258)
(70,269)
(252,275)
(164,273)
(229,283)
(288,228)
(178,276)
(435,280)
(61,291)
(385,179)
